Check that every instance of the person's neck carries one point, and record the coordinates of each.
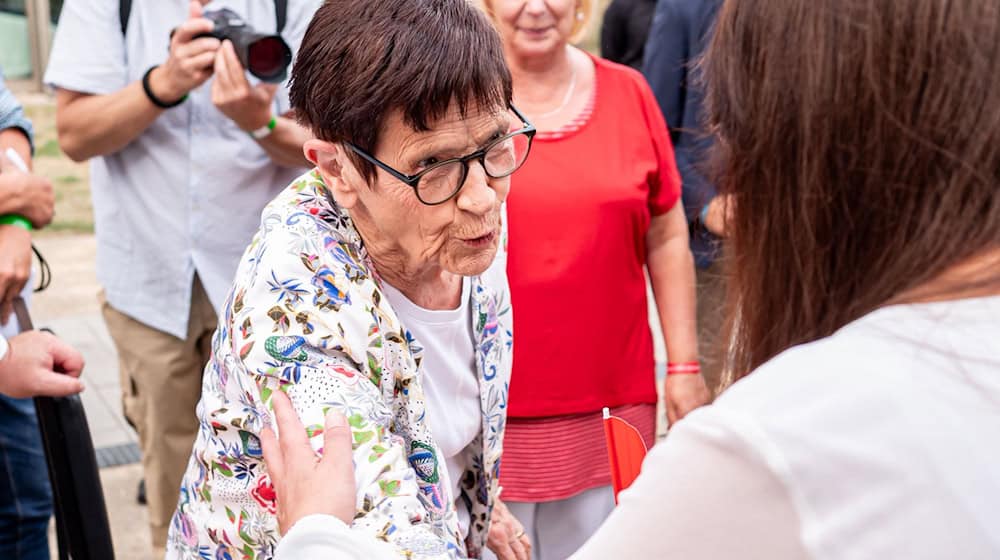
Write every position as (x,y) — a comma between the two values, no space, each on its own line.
(537,79)
(425,284)
(978,276)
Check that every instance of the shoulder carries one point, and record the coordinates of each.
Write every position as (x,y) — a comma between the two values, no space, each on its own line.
(837,367)
(306,246)
(621,82)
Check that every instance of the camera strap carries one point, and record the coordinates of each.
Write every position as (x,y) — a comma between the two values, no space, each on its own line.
(280,14)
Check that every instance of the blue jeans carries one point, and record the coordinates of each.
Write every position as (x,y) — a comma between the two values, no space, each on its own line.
(25,495)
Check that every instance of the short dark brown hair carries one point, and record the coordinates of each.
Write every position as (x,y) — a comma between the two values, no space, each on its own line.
(362,59)
(860,141)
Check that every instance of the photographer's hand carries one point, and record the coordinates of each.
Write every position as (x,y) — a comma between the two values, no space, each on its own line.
(250,107)
(191,58)
(100,124)
(247,106)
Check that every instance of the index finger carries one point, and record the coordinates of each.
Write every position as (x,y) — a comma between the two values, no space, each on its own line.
(190,29)
(65,358)
(291,432)
(272,454)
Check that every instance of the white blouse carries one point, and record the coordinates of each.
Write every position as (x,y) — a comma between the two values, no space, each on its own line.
(877,442)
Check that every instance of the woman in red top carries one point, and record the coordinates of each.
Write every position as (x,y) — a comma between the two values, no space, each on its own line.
(596,202)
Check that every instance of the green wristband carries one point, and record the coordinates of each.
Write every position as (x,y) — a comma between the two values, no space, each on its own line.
(15,220)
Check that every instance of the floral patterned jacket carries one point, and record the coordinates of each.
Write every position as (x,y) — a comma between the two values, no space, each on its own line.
(307,316)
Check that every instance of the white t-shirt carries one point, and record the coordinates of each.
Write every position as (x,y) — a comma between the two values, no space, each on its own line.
(449,379)
(877,442)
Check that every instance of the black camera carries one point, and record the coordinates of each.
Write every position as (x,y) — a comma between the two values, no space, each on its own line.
(265,56)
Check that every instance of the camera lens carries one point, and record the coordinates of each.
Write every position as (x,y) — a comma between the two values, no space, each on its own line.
(267,57)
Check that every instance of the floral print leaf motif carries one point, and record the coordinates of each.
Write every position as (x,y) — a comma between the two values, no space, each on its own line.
(361,438)
(222,469)
(286,348)
(328,294)
(290,291)
(314,430)
(280,318)
(246,329)
(310,261)
(389,487)
(357,421)
(344,255)
(245,350)
(377,452)
(394,337)
(302,318)
(424,461)
(374,370)
(251,444)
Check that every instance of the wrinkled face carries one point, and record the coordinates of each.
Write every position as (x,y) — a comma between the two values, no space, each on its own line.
(535,27)
(461,235)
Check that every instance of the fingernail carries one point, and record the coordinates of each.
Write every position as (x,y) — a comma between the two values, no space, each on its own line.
(335,419)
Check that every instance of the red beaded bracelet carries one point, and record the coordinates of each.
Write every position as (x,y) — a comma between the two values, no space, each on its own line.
(684,368)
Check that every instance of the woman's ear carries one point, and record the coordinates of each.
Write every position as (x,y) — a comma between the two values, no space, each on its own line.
(333,165)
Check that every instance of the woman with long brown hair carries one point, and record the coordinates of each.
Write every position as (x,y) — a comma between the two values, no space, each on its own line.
(860,142)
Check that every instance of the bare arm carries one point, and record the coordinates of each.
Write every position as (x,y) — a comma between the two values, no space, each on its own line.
(21,193)
(284,144)
(15,138)
(671,272)
(96,125)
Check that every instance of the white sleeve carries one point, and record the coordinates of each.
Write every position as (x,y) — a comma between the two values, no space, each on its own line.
(88,53)
(708,491)
(324,537)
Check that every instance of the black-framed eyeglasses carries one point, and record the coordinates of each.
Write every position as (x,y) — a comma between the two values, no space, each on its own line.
(441,181)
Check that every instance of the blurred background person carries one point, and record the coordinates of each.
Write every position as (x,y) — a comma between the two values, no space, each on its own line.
(624,29)
(186,151)
(866,258)
(679,35)
(594,205)
(26,203)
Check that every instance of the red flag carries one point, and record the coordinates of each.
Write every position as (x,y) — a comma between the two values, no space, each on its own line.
(626,449)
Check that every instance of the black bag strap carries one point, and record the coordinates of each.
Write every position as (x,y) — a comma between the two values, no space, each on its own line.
(124,10)
(280,14)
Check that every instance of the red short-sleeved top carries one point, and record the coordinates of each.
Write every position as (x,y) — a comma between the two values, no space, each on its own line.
(578,211)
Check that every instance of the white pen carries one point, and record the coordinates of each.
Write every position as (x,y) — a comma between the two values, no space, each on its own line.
(15,158)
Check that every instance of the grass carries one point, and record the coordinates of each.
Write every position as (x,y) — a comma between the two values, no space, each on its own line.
(71,180)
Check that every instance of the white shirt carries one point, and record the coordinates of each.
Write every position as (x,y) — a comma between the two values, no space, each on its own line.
(186,195)
(448,376)
(877,442)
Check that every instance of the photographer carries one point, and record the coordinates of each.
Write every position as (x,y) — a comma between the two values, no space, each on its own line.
(187,148)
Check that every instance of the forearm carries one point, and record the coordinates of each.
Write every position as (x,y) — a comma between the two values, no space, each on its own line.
(284,144)
(671,273)
(17,139)
(12,199)
(97,125)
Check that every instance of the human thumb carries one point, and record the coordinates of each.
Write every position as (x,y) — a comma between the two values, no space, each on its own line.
(194,9)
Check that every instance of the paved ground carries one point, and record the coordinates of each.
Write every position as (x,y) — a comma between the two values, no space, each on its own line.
(69,307)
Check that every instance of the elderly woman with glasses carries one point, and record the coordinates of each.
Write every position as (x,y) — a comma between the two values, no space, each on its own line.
(375,288)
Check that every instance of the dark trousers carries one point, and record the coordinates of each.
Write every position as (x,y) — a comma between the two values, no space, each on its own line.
(25,495)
